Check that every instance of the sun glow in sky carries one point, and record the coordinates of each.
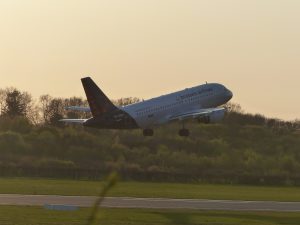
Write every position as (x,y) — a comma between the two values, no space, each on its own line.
(145,48)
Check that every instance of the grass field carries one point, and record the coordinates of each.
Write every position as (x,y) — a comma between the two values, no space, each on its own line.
(13,215)
(141,189)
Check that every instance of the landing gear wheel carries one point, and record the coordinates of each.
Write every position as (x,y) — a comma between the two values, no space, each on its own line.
(184,132)
(148,132)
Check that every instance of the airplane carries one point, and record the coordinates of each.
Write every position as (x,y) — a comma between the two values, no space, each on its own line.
(201,103)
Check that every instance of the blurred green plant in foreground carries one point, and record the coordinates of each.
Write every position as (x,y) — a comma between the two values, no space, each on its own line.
(108,185)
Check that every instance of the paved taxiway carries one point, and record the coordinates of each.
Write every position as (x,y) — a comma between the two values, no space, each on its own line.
(158,203)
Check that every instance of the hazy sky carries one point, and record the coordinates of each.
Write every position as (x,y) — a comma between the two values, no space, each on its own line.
(145,48)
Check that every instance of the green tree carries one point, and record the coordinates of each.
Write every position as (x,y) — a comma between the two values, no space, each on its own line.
(52,110)
(17,104)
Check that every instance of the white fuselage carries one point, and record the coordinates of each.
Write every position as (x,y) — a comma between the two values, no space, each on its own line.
(157,111)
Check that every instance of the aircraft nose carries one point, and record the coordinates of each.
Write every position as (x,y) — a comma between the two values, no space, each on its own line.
(229,94)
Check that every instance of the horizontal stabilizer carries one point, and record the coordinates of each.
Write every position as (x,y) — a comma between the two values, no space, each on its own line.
(73,121)
(78,108)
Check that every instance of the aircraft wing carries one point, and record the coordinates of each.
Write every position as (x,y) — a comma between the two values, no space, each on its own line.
(79,108)
(195,114)
(74,121)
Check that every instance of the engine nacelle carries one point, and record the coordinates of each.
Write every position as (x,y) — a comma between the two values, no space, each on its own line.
(213,117)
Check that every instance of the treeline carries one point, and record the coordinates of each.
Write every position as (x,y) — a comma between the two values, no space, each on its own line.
(244,148)
(46,110)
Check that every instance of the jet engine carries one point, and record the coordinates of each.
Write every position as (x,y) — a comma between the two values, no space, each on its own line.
(213,117)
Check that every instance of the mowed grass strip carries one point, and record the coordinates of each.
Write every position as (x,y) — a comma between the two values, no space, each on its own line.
(148,190)
(13,215)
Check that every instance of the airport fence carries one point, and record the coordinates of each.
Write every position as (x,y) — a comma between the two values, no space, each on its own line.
(153,176)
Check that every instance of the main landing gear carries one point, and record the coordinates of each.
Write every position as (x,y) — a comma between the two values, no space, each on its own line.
(184,132)
(148,132)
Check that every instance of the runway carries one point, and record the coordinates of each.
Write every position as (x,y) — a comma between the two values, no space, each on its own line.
(149,203)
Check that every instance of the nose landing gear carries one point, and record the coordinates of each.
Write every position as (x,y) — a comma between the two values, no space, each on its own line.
(184,132)
(148,132)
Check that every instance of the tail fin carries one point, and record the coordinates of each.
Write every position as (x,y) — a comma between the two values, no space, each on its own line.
(97,100)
